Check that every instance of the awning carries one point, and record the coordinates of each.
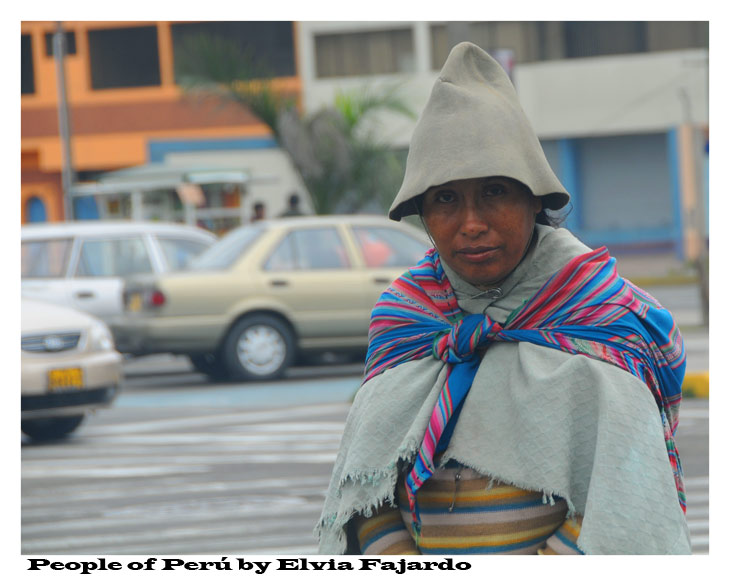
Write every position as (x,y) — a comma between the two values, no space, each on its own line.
(157,176)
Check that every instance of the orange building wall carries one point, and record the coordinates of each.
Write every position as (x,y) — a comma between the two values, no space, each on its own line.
(111,128)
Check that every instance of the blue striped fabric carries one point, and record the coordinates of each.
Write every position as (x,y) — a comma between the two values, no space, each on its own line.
(585,308)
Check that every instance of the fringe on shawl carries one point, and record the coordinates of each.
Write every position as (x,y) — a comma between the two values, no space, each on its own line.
(387,478)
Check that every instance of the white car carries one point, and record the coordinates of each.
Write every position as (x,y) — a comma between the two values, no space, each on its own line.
(83,264)
(68,367)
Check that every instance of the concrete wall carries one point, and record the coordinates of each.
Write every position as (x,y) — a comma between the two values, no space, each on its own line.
(610,127)
(637,93)
(615,94)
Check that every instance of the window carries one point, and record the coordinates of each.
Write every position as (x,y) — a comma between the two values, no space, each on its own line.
(44,258)
(269,46)
(228,249)
(27,80)
(674,35)
(118,257)
(70,43)
(313,249)
(178,252)
(364,53)
(384,247)
(583,39)
(553,40)
(525,41)
(283,258)
(124,57)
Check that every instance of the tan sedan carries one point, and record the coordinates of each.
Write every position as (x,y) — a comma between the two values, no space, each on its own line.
(268,292)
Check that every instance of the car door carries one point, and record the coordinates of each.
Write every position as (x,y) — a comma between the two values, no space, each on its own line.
(101,264)
(386,253)
(311,273)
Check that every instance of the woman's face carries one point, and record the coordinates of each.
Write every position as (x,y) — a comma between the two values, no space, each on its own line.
(481,226)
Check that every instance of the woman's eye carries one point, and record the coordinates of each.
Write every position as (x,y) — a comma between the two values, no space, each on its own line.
(444,197)
(494,190)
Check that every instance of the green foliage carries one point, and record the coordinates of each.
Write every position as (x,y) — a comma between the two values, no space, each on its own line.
(213,66)
(343,162)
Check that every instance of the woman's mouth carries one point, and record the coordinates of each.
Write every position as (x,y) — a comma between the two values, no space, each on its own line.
(477,254)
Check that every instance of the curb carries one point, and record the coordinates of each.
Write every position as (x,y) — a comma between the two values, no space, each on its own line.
(696,385)
(649,281)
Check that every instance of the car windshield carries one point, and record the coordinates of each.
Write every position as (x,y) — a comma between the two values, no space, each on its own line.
(227,250)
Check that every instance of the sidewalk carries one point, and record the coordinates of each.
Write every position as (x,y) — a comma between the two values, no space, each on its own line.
(654,269)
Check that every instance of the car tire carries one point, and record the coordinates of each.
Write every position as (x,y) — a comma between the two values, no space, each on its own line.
(51,428)
(259,347)
(210,365)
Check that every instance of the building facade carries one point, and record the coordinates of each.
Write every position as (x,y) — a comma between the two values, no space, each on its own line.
(621,108)
(126,108)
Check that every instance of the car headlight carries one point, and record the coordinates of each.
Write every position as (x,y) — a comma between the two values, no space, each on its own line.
(100,338)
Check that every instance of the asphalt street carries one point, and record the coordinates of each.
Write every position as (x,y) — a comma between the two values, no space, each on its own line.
(184,466)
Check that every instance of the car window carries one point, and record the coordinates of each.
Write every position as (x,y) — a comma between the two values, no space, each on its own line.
(113,257)
(227,250)
(283,257)
(384,247)
(179,251)
(44,258)
(309,249)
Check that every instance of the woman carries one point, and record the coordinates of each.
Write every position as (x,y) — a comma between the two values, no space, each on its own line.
(519,396)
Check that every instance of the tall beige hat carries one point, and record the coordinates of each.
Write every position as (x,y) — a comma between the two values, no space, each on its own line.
(473,126)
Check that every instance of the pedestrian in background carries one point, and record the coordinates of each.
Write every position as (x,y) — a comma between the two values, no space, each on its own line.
(519,396)
(259,212)
(293,208)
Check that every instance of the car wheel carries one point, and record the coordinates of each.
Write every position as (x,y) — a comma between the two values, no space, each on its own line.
(210,365)
(259,347)
(51,428)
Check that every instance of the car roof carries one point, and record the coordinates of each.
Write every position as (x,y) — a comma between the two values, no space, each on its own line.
(325,219)
(96,227)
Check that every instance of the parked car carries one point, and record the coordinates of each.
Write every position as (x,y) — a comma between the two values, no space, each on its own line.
(267,291)
(68,368)
(82,264)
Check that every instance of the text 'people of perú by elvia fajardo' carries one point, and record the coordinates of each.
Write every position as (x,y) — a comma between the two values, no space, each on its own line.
(241,564)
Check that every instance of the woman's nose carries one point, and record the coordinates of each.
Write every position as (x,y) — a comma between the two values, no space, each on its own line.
(473,221)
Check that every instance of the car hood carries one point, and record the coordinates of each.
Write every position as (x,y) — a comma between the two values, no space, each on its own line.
(37,316)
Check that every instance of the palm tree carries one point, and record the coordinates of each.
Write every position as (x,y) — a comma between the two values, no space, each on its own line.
(213,66)
(344,164)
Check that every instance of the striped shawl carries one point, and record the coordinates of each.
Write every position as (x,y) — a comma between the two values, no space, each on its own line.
(586,308)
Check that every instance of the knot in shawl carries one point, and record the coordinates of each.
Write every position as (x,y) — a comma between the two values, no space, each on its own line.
(585,308)
(460,344)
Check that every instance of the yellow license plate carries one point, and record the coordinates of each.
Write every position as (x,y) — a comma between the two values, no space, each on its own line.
(135,302)
(65,379)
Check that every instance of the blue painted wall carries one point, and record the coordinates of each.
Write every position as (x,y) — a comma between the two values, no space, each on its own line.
(85,208)
(158,149)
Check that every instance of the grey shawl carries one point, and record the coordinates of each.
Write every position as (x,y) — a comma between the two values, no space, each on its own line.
(537,418)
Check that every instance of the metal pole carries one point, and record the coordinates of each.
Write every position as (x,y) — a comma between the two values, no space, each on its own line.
(698,222)
(703,258)
(64,125)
